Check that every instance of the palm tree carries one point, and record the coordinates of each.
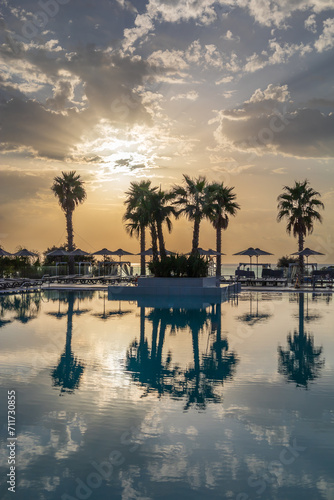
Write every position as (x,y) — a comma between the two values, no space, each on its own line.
(193,198)
(298,204)
(161,212)
(69,188)
(138,216)
(222,204)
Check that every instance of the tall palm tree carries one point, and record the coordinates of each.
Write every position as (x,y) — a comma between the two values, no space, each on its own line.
(192,199)
(138,216)
(70,190)
(162,211)
(298,204)
(222,204)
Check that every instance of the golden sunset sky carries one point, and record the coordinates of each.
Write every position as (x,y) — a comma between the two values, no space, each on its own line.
(119,90)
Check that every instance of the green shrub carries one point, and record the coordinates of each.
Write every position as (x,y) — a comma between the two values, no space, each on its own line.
(180,266)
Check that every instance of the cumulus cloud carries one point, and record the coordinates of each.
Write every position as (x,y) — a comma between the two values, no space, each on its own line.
(63,92)
(170,11)
(276,54)
(225,79)
(173,60)
(326,39)
(183,10)
(192,95)
(230,37)
(268,123)
(277,12)
(311,24)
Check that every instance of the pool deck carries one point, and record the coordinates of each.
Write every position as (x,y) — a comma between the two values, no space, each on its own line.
(78,287)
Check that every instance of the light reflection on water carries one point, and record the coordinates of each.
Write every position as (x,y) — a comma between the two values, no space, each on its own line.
(231,400)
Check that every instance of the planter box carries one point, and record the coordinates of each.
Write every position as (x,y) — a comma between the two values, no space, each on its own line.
(177,282)
(176,289)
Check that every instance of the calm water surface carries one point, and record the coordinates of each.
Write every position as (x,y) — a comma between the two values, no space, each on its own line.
(116,400)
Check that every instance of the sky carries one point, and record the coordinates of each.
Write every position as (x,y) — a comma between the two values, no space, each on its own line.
(240,91)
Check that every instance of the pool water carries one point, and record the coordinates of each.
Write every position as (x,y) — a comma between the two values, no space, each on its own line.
(119,401)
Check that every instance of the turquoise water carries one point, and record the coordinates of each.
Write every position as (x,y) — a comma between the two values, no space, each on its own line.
(116,401)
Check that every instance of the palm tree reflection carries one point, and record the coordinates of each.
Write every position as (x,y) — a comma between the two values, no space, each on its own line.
(25,305)
(67,374)
(301,363)
(197,383)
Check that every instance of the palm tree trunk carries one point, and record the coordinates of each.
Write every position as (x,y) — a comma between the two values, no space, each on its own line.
(195,242)
(70,246)
(154,237)
(142,249)
(301,257)
(161,241)
(218,249)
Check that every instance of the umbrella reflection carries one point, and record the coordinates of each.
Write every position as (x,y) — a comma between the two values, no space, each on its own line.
(254,316)
(109,314)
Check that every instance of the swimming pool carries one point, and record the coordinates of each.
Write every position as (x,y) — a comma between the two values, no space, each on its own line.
(221,401)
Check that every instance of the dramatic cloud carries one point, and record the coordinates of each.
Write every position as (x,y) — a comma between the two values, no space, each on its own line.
(29,125)
(268,123)
(119,89)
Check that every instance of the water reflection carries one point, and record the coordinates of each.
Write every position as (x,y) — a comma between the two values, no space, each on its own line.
(301,362)
(254,316)
(201,380)
(26,307)
(68,372)
(180,443)
(104,315)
